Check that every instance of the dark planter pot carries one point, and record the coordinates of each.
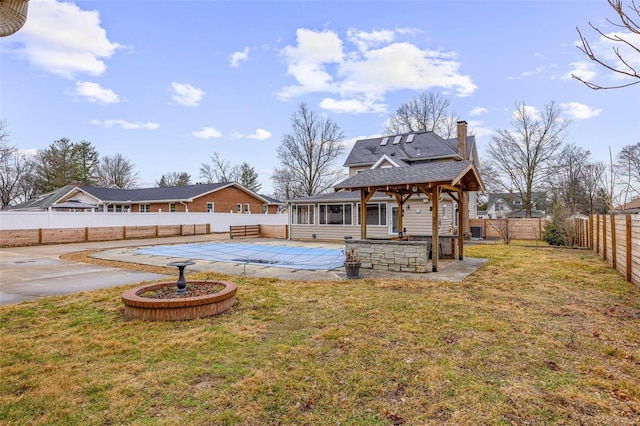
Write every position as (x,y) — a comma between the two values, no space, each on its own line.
(352,269)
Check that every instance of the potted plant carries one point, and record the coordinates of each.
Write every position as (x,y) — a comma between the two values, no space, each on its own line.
(351,263)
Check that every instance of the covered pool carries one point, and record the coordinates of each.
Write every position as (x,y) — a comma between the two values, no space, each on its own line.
(280,256)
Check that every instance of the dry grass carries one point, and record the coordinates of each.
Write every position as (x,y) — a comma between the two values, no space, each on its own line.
(537,336)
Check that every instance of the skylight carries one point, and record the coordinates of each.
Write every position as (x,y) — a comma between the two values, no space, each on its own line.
(384,141)
(396,140)
(410,137)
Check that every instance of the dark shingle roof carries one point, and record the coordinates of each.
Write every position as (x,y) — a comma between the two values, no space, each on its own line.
(169,193)
(425,146)
(539,198)
(44,200)
(336,196)
(419,173)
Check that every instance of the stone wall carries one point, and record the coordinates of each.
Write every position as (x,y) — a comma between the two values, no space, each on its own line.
(391,255)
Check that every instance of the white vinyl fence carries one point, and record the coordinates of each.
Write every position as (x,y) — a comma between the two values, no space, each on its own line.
(219,222)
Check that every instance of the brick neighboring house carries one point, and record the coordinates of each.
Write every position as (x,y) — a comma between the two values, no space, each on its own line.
(229,197)
(333,216)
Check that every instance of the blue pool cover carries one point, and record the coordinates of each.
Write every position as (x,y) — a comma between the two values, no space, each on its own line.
(253,254)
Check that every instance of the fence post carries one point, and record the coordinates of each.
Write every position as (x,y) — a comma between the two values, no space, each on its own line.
(628,226)
(614,246)
(604,237)
(597,235)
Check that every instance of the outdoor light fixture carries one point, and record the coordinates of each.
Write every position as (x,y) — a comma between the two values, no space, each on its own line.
(13,15)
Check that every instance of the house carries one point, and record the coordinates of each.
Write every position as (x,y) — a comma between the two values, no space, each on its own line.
(228,197)
(502,205)
(632,206)
(418,157)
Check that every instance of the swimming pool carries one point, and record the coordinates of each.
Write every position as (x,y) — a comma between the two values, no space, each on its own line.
(292,257)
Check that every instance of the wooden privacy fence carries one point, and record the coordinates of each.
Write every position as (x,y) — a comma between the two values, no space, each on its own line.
(519,228)
(29,237)
(616,238)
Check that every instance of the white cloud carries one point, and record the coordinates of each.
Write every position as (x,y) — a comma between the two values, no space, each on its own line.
(260,134)
(207,133)
(478,130)
(354,106)
(237,57)
(530,111)
(127,125)
(477,111)
(578,111)
(361,76)
(365,41)
(93,92)
(185,94)
(64,40)
(584,70)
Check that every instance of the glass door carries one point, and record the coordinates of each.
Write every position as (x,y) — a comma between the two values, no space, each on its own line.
(393,220)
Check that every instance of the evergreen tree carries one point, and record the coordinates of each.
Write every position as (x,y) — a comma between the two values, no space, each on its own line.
(249,178)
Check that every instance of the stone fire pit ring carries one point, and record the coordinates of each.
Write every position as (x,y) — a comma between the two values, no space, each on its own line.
(180,308)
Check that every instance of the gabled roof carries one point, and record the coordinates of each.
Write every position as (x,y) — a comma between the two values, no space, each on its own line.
(454,172)
(43,201)
(512,199)
(424,146)
(160,194)
(137,195)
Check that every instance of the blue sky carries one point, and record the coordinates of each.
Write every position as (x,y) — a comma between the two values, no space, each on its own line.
(168,83)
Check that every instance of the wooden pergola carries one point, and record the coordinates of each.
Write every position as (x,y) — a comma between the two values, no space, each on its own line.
(431,179)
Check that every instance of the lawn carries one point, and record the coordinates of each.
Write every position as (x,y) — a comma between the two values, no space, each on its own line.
(537,336)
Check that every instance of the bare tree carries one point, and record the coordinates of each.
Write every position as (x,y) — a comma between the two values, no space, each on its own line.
(117,171)
(285,185)
(567,179)
(629,20)
(219,170)
(593,178)
(523,154)
(489,175)
(308,154)
(16,172)
(628,171)
(174,179)
(426,112)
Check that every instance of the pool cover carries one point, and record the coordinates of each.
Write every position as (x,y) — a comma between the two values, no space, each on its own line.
(253,254)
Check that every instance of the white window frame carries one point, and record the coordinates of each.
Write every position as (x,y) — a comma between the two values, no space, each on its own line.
(172,207)
(310,213)
(210,207)
(144,208)
(247,208)
(347,218)
(381,216)
(239,208)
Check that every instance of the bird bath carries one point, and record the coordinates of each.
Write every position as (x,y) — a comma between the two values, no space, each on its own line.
(180,306)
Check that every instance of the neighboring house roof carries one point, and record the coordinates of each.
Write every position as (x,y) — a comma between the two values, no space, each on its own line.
(633,205)
(137,195)
(410,147)
(515,204)
(271,200)
(74,204)
(43,201)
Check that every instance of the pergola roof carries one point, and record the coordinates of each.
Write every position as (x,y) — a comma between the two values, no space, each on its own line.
(462,174)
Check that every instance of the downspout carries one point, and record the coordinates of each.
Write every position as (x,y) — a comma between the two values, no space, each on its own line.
(186,207)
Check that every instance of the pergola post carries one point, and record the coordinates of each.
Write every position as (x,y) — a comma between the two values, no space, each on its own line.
(435,240)
(462,205)
(365,196)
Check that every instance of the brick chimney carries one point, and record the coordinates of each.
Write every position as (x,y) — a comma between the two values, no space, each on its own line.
(462,139)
